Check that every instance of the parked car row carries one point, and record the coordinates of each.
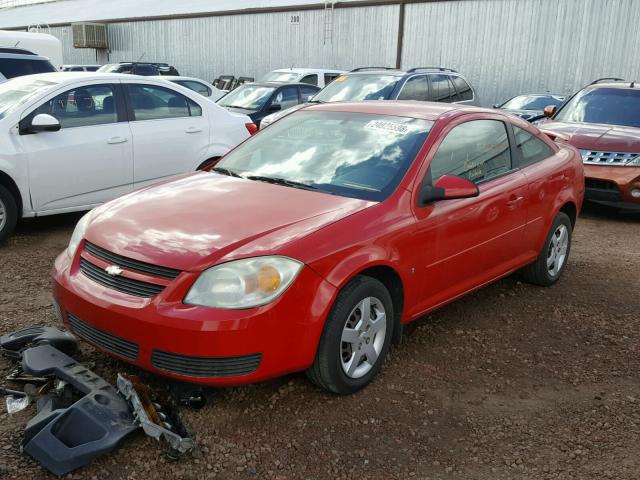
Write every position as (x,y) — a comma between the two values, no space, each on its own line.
(367,200)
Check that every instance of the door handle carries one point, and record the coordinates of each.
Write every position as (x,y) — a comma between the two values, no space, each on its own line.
(115,140)
(514,201)
(193,130)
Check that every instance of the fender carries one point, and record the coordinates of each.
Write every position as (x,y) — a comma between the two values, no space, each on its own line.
(14,175)
(212,150)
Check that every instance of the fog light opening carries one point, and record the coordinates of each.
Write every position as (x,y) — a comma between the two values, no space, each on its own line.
(635,193)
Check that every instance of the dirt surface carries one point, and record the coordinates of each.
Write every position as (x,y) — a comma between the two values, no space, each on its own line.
(513,381)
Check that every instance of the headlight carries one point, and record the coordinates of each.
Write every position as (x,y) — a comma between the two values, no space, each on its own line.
(246,283)
(78,234)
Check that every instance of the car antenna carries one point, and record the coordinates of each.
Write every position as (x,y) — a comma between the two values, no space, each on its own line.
(17,43)
(633,84)
(143,54)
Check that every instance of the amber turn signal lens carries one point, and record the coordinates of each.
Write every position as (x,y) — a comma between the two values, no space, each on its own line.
(268,279)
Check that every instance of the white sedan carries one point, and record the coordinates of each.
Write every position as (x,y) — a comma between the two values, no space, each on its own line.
(71,141)
(203,88)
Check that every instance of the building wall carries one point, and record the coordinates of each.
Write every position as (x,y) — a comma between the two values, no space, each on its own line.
(253,44)
(508,47)
(505,47)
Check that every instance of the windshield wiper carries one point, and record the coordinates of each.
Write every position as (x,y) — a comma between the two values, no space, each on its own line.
(226,171)
(238,106)
(282,181)
(314,101)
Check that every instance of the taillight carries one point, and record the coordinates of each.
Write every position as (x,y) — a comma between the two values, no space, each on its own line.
(252,128)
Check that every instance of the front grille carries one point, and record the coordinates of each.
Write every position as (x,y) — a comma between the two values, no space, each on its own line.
(102,339)
(120,283)
(607,158)
(205,366)
(600,184)
(131,264)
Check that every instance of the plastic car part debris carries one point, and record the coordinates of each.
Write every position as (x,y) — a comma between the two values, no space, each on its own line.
(17,375)
(15,403)
(156,415)
(12,344)
(67,433)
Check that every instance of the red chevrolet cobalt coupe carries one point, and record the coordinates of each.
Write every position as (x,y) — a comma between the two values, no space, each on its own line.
(310,245)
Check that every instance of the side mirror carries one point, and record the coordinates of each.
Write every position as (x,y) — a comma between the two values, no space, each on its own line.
(496,105)
(448,187)
(44,122)
(550,110)
(274,107)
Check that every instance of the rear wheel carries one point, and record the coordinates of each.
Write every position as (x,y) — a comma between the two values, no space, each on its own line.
(551,262)
(356,337)
(8,213)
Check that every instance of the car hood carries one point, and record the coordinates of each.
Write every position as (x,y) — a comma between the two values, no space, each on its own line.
(598,137)
(193,222)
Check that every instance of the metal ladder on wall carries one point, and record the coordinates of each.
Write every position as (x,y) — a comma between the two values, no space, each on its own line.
(328,22)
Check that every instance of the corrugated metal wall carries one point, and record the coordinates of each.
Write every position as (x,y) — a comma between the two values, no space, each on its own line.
(504,47)
(253,44)
(507,47)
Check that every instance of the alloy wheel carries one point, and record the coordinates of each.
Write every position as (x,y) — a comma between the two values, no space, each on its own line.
(363,337)
(557,252)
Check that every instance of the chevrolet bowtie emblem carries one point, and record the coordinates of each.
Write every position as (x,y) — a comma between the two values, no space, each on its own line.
(113,270)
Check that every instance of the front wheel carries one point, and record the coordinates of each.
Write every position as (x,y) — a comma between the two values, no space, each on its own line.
(551,262)
(356,337)
(8,213)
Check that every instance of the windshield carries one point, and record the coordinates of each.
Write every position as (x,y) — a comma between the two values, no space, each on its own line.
(611,106)
(532,102)
(350,154)
(17,67)
(19,91)
(250,97)
(281,77)
(353,88)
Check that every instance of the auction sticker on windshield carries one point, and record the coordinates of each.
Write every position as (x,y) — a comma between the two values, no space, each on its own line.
(389,127)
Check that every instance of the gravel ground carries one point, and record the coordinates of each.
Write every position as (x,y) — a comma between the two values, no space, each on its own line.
(513,381)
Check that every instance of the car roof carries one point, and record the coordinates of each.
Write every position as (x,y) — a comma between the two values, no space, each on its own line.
(621,85)
(307,70)
(66,77)
(23,56)
(406,108)
(279,84)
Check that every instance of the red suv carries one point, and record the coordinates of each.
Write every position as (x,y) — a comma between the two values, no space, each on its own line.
(603,121)
(310,245)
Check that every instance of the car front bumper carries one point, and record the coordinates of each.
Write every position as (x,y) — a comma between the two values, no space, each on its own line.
(612,185)
(191,343)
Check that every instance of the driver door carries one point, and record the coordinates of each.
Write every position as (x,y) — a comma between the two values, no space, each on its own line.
(471,241)
(89,160)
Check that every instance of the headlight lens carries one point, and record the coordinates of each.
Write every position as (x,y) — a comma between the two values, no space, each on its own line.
(246,283)
(78,234)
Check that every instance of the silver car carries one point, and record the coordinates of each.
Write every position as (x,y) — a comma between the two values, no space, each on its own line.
(434,84)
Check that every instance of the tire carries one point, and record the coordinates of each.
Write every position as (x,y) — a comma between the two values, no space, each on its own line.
(332,370)
(540,272)
(8,213)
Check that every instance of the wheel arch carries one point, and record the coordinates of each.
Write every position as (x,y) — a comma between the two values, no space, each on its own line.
(11,185)
(570,209)
(391,279)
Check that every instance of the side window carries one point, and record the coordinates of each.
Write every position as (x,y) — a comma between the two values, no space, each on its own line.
(310,79)
(307,92)
(76,69)
(531,148)
(150,102)
(196,87)
(442,89)
(286,97)
(477,150)
(330,77)
(463,88)
(82,106)
(416,88)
